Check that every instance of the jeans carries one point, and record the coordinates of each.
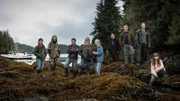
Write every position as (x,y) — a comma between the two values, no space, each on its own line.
(74,64)
(128,48)
(160,75)
(97,67)
(40,64)
(88,65)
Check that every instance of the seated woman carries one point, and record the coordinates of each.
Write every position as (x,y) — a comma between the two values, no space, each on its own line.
(157,68)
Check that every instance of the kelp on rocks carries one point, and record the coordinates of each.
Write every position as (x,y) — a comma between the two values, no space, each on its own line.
(106,87)
(27,83)
(118,82)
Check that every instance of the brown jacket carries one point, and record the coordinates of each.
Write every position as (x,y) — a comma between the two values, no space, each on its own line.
(130,38)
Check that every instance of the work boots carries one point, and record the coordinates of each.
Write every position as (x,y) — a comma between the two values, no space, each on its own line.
(65,72)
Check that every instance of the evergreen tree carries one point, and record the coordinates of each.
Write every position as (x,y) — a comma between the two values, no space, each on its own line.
(7,42)
(160,16)
(107,21)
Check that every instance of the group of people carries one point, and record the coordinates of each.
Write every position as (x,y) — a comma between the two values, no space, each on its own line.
(127,41)
(90,54)
(141,42)
(94,53)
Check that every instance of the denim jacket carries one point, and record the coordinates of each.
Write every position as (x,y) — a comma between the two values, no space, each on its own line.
(100,54)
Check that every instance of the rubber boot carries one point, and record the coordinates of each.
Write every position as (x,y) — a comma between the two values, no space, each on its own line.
(39,71)
(74,73)
(54,69)
(51,67)
(65,72)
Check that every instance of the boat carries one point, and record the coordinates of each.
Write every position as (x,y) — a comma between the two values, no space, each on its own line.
(20,57)
(31,58)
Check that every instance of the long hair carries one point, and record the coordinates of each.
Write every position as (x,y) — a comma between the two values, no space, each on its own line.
(52,39)
(145,25)
(87,41)
(158,60)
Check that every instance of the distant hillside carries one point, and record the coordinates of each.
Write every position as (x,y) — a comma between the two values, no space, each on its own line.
(28,48)
(25,48)
(63,48)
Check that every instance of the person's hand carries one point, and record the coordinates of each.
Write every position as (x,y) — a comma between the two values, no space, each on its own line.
(149,45)
(44,58)
(156,70)
(94,52)
(155,75)
(57,56)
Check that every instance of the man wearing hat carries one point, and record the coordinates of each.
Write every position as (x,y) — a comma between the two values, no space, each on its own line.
(73,51)
(40,53)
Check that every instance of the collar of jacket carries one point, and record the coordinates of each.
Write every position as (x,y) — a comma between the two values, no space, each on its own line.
(126,32)
(99,46)
(140,30)
(40,46)
(73,45)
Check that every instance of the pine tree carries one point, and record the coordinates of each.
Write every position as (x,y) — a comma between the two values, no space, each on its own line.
(160,16)
(107,21)
(7,42)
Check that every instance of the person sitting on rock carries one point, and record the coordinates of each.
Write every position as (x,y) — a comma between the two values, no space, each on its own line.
(157,68)
(40,53)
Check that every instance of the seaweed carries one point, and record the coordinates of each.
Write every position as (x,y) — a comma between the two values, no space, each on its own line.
(118,82)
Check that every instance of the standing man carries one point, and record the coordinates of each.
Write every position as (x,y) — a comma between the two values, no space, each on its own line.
(73,51)
(142,43)
(126,41)
(54,53)
(40,53)
(114,48)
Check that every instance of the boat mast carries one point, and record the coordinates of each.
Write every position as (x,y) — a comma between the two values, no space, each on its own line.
(16,44)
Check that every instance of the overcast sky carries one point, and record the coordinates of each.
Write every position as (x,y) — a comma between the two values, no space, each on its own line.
(30,20)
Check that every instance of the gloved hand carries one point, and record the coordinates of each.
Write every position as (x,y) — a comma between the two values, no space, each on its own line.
(149,45)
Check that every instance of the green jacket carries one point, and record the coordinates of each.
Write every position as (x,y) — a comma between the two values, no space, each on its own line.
(40,52)
(54,51)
